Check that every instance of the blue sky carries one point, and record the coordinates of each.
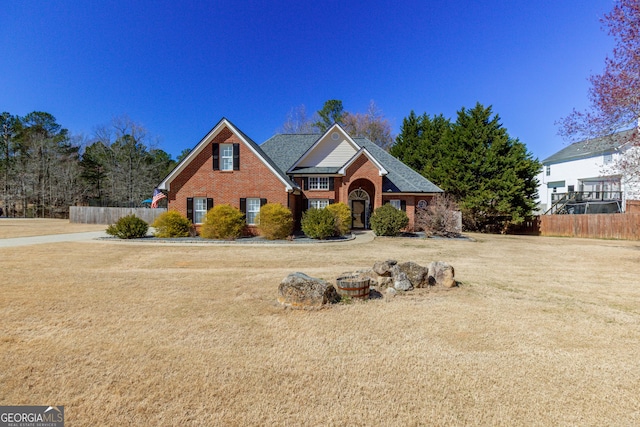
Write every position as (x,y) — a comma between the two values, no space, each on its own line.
(179,67)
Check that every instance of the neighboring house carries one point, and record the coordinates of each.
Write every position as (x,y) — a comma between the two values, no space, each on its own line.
(296,170)
(582,178)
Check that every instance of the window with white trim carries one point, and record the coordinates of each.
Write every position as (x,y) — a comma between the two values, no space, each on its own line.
(199,209)
(548,170)
(318,203)
(607,158)
(253,209)
(318,183)
(226,157)
(396,204)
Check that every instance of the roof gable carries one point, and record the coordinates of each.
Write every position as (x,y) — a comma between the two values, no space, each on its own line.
(363,152)
(333,149)
(204,142)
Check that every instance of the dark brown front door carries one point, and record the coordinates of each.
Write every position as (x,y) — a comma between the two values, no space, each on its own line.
(358,214)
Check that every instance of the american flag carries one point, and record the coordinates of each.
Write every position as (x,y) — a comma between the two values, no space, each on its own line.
(157,196)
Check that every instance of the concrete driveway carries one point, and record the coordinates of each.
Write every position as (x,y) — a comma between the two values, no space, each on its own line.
(51,238)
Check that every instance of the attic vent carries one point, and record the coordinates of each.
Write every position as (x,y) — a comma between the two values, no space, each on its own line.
(335,136)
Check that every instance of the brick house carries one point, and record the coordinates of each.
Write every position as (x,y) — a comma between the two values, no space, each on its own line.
(296,170)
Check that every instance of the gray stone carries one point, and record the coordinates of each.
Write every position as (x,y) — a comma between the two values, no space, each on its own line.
(441,274)
(385,282)
(390,293)
(298,290)
(417,274)
(401,282)
(383,268)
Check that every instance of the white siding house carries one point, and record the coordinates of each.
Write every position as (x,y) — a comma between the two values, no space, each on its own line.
(585,172)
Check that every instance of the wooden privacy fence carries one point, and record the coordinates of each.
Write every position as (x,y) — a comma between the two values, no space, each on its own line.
(602,226)
(97,215)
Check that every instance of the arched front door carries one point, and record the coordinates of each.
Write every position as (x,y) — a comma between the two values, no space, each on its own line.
(359,203)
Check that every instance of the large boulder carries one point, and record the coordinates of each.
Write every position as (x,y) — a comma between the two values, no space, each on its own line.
(417,274)
(401,282)
(298,290)
(441,274)
(383,268)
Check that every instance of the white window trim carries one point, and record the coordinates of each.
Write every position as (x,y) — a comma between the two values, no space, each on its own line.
(318,183)
(319,203)
(253,209)
(199,209)
(548,171)
(226,160)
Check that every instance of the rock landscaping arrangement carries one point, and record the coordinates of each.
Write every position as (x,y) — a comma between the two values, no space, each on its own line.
(299,290)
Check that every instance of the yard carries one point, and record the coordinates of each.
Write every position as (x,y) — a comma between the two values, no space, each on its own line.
(542,331)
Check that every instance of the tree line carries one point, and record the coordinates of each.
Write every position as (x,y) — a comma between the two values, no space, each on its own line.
(44,169)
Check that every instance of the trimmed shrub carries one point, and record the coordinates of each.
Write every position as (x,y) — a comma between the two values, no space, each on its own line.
(388,221)
(342,215)
(172,224)
(128,227)
(223,222)
(275,221)
(318,223)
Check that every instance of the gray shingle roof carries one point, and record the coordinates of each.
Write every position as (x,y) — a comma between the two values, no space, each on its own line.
(286,149)
(591,147)
(401,178)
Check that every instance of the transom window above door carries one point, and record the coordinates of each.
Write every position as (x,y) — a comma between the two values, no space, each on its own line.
(318,183)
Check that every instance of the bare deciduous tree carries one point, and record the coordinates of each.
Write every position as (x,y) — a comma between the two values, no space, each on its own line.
(440,218)
(614,95)
(371,125)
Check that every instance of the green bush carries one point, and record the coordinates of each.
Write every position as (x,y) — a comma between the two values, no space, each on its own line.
(318,223)
(128,227)
(172,224)
(388,221)
(223,222)
(342,216)
(275,221)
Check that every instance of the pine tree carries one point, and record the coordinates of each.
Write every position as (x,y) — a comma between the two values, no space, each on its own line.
(489,174)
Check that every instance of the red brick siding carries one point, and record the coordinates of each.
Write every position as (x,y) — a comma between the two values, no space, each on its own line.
(410,205)
(362,168)
(198,179)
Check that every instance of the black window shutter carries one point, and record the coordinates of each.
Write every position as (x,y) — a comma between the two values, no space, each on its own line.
(305,182)
(236,157)
(403,205)
(305,205)
(243,206)
(263,202)
(332,201)
(190,208)
(216,156)
(209,203)
(331,185)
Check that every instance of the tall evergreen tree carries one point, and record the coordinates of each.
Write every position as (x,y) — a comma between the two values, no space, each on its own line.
(490,174)
(332,112)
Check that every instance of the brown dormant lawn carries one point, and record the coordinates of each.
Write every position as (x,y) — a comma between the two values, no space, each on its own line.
(542,331)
